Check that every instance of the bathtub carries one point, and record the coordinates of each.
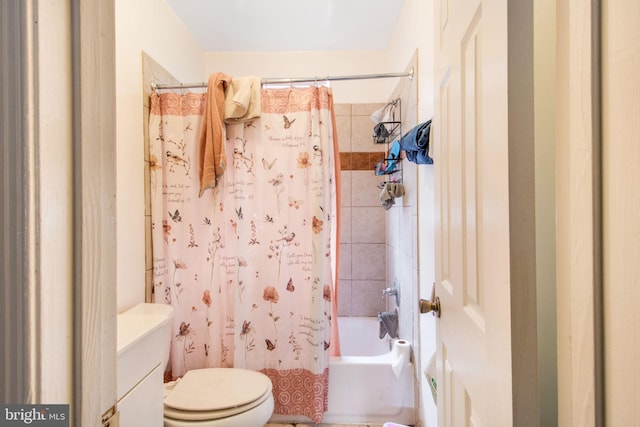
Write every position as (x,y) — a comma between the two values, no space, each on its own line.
(371,382)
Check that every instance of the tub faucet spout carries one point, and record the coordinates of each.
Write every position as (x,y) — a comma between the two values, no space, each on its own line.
(389,291)
(392,290)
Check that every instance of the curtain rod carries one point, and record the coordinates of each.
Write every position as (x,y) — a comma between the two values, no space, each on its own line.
(157,86)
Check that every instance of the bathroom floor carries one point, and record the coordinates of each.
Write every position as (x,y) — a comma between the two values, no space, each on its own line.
(322,425)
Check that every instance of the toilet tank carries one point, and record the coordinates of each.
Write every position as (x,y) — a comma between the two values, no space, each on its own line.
(143,343)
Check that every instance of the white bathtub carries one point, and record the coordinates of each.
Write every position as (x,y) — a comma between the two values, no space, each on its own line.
(363,386)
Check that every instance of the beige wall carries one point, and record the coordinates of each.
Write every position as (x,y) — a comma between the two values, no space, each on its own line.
(414,32)
(414,36)
(314,64)
(410,251)
(141,26)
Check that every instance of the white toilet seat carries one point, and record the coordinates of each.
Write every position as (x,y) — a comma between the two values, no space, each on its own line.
(213,393)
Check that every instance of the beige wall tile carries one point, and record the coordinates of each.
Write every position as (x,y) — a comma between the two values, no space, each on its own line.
(153,72)
(148,289)
(145,131)
(408,227)
(393,228)
(346,224)
(148,252)
(345,261)
(368,261)
(362,134)
(365,109)
(364,189)
(147,190)
(345,188)
(368,225)
(410,181)
(342,109)
(366,297)
(343,128)
(344,298)
(380,148)
(360,195)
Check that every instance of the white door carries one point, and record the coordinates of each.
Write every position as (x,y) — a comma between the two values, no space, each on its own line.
(472,218)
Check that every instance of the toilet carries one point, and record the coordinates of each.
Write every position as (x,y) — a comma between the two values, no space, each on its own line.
(218,397)
(209,397)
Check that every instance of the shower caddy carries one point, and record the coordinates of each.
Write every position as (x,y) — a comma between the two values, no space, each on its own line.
(394,129)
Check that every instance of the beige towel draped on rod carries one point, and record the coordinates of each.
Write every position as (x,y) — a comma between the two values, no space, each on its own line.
(158,86)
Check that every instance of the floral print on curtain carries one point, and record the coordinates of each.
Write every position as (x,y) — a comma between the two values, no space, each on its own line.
(249,266)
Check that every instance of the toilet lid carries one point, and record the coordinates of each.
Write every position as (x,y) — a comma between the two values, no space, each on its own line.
(203,392)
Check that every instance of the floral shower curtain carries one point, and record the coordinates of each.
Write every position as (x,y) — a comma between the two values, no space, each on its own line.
(250,266)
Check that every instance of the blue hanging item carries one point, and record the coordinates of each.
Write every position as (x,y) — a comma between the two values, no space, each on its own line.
(388,164)
(415,144)
(394,155)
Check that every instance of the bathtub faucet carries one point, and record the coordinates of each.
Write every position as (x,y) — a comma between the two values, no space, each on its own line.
(392,290)
(389,291)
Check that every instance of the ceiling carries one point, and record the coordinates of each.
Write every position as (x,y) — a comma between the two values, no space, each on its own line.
(289,25)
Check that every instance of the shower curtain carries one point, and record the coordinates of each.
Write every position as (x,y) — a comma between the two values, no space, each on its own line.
(250,266)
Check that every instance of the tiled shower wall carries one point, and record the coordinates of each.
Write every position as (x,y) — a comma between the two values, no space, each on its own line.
(363,252)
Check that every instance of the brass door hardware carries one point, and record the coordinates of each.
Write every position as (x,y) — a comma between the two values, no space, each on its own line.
(432,305)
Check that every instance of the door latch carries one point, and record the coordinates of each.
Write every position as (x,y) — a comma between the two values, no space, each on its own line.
(432,305)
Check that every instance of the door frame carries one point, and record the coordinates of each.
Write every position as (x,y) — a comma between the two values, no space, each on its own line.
(60,299)
(578,202)
(94,92)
